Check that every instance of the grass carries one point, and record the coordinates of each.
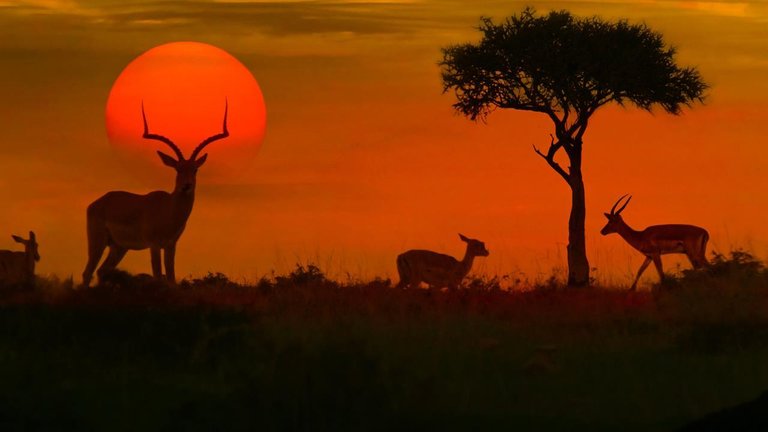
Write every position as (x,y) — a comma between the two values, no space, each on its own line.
(301,352)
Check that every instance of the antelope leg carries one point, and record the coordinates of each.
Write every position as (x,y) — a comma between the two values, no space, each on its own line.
(640,272)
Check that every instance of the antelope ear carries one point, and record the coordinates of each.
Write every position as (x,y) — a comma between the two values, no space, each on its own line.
(31,235)
(201,160)
(464,239)
(168,160)
(18,239)
(607,215)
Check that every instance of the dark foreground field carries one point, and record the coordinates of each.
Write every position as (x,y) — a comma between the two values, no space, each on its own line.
(300,352)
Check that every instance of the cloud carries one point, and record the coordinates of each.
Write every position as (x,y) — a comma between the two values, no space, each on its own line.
(719,8)
(273,18)
(296,28)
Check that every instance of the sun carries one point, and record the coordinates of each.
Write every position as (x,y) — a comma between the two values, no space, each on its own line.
(184,86)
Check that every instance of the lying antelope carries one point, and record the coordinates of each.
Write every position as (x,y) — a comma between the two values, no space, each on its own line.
(435,269)
(19,267)
(658,240)
(127,221)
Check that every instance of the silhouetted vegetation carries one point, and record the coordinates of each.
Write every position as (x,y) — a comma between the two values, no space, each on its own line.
(567,68)
(303,276)
(300,351)
(738,264)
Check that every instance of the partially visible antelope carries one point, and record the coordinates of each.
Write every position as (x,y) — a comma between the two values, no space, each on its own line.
(127,221)
(658,240)
(19,267)
(435,269)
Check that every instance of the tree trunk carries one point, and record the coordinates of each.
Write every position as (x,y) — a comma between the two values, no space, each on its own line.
(578,266)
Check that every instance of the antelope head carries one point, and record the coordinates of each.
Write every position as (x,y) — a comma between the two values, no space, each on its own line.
(474,247)
(186,169)
(614,217)
(30,246)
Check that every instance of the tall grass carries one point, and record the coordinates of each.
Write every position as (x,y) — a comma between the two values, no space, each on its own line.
(299,351)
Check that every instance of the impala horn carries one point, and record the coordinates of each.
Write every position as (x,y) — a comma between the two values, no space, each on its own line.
(224,133)
(160,138)
(617,212)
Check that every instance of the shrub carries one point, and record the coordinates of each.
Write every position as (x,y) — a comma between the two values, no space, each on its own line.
(739,265)
(303,276)
(219,280)
(732,289)
(485,283)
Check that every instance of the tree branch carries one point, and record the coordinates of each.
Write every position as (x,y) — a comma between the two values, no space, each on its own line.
(582,129)
(566,114)
(550,158)
(533,95)
(535,108)
(578,127)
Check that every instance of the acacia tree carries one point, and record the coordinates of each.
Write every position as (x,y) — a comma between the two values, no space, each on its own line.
(566,68)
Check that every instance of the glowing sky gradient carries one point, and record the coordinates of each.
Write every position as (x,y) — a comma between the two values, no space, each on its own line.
(363,156)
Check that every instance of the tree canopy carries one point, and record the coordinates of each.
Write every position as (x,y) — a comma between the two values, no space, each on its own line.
(566,67)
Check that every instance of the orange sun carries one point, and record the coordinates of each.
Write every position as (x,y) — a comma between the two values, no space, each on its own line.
(183,86)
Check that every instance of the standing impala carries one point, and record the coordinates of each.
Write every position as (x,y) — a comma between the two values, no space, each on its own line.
(658,240)
(436,269)
(127,221)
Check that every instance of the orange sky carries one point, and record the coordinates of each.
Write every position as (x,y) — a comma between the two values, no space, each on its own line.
(363,156)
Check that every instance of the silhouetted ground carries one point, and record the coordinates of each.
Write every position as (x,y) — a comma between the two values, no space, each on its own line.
(300,352)
(749,416)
